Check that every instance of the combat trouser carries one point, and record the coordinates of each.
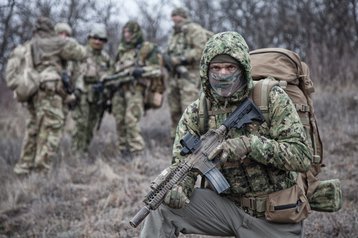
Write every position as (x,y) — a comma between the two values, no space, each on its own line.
(86,116)
(128,110)
(43,132)
(182,92)
(210,214)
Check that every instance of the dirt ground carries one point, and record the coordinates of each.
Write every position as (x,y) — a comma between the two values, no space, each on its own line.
(95,195)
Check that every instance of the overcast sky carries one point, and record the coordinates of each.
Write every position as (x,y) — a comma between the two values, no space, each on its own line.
(129,10)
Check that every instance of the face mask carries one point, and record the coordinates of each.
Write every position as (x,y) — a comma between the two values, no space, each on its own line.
(226,85)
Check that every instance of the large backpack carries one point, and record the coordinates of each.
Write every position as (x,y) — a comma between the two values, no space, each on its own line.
(282,67)
(285,68)
(20,75)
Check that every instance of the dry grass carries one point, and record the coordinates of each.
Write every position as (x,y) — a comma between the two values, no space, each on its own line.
(95,196)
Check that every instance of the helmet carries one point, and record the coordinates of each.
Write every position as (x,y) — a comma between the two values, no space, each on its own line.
(63,27)
(179,11)
(98,30)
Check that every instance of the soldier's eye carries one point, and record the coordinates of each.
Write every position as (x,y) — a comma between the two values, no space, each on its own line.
(215,68)
(232,68)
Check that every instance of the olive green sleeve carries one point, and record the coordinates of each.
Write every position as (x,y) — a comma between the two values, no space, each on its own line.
(286,148)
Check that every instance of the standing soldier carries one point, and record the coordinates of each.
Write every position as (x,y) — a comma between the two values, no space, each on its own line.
(97,64)
(143,62)
(182,60)
(46,118)
(62,29)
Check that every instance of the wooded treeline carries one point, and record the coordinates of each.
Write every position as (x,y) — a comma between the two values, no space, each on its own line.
(323,32)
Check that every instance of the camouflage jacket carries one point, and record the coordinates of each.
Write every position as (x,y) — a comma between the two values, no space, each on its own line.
(145,55)
(50,55)
(92,68)
(188,42)
(278,146)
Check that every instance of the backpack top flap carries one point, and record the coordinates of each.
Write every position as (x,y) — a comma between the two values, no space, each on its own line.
(281,64)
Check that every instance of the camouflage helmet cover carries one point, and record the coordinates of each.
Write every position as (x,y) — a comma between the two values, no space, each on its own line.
(63,27)
(179,11)
(98,30)
(226,43)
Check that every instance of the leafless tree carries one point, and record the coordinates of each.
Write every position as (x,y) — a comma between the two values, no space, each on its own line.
(323,32)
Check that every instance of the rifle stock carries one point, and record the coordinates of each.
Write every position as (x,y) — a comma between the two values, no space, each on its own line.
(197,151)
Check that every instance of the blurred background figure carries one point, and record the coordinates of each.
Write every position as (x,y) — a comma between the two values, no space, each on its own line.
(46,122)
(143,62)
(96,65)
(182,61)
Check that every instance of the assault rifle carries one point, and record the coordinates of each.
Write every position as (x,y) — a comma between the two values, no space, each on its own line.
(198,150)
(112,83)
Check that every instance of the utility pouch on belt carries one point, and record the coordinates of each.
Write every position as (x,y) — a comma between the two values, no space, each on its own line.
(289,205)
(327,197)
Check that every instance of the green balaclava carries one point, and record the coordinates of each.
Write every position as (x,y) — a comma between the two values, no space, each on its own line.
(226,84)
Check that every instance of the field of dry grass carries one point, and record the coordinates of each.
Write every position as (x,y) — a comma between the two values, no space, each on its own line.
(97,194)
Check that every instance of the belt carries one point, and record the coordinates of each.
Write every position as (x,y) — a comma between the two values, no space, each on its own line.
(254,206)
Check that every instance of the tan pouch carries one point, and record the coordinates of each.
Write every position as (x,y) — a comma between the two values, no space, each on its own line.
(287,206)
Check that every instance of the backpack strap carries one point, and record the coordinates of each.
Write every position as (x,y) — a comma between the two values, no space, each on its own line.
(203,113)
(261,92)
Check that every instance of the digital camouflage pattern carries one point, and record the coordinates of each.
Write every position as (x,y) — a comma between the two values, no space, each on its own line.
(327,197)
(86,114)
(46,109)
(128,101)
(186,42)
(278,146)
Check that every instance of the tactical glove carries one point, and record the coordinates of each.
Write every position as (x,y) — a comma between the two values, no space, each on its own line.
(231,149)
(137,72)
(176,198)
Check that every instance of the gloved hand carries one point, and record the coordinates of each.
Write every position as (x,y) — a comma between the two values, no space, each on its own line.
(137,72)
(237,148)
(176,198)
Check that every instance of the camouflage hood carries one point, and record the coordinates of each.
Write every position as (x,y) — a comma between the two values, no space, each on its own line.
(137,37)
(234,45)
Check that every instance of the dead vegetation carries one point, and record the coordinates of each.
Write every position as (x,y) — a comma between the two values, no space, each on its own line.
(97,194)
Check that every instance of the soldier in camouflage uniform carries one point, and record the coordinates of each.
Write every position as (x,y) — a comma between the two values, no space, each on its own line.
(182,59)
(97,64)
(62,29)
(256,160)
(46,117)
(139,58)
